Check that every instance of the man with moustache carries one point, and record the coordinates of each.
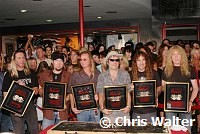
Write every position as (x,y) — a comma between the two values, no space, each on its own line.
(57,74)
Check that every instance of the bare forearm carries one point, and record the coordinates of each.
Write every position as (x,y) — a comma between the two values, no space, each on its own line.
(101,101)
(194,91)
(129,100)
(72,100)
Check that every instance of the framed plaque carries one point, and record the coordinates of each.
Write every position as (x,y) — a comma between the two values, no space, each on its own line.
(54,95)
(84,96)
(144,93)
(176,97)
(17,98)
(115,97)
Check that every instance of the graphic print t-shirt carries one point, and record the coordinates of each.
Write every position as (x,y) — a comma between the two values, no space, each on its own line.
(30,80)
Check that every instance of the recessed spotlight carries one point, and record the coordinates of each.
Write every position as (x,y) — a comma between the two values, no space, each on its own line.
(75,33)
(23,10)
(133,30)
(55,34)
(99,17)
(87,6)
(49,20)
(21,36)
(38,35)
(113,31)
(111,12)
(10,19)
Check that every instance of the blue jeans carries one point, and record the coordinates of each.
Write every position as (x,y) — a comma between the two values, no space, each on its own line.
(5,120)
(46,122)
(146,116)
(89,116)
(188,116)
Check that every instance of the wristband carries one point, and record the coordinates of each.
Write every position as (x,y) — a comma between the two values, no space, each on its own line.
(129,107)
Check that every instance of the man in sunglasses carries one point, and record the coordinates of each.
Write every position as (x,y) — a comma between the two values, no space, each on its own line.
(113,77)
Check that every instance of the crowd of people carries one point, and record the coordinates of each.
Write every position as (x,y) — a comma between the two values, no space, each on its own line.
(172,62)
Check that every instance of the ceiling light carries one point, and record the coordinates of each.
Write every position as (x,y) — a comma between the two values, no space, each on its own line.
(111,12)
(21,36)
(133,30)
(49,20)
(56,34)
(113,31)
(38,35)
(99,17)
(23,10)
(95,32)
(10,19)
(75,33)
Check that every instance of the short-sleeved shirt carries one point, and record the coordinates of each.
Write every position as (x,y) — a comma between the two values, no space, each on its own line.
(176,75)
(123,78)
(30,80)
(142,76)
(80,77)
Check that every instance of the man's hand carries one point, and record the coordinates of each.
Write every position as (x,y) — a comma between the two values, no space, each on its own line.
(18,115)
(106,111)
(76,111)
(126,109)
(21,83)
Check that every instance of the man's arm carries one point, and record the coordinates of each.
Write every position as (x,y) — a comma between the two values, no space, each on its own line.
(28,42)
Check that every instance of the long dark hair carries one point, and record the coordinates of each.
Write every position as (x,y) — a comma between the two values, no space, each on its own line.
(148,68)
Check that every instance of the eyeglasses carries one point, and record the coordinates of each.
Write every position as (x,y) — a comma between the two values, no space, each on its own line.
(112,60)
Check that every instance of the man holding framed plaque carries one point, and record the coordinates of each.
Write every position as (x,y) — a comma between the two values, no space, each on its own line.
(178,70)
(114,77)
(21,73)
(57,75)
(146,83)
(83,84)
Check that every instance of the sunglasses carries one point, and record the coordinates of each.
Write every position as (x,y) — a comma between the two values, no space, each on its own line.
(112,60)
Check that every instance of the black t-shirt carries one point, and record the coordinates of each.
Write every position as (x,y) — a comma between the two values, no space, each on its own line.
(142,76)
(178,77)
(146,110)
(30,80)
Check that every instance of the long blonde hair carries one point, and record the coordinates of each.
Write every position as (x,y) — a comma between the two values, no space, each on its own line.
(92,64)
(184,66)
(13,71)
(124,62)
(197,66)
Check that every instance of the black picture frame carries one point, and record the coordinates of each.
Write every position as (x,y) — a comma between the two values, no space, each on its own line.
(176,97)
(54,95)
(17,99)
(84,96)
(144,94)
(115,97)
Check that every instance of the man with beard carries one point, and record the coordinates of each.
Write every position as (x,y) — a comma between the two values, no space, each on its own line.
(52,117)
